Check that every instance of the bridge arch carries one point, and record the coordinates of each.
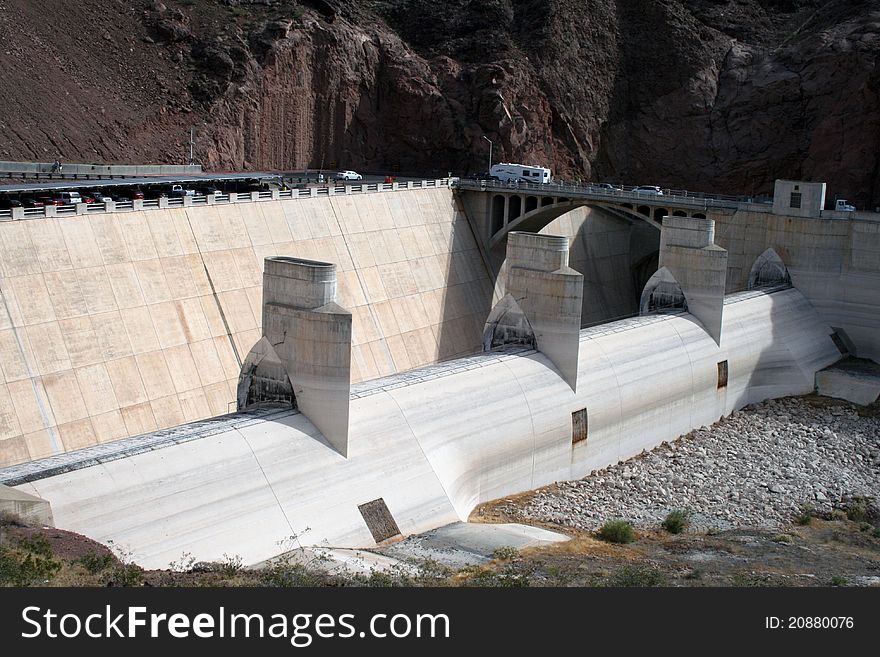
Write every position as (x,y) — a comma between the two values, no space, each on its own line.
(498,204)
(514,208)
(531,203)
(537,219)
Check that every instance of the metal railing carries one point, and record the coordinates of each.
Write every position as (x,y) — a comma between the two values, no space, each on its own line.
(617,194)
(312,191)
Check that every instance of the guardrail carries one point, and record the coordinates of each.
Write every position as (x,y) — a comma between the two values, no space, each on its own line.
(15,214)
(677,197)
(72,170)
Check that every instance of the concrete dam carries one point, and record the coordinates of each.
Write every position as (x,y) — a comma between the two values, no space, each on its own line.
(422,380)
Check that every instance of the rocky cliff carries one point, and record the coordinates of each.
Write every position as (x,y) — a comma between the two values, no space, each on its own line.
(723,95)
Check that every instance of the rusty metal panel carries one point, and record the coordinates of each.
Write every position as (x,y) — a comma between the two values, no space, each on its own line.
(379,520)
(722,374)
(579,426)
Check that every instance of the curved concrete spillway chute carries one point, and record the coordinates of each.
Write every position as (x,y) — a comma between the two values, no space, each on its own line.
(433,443)
(483,438)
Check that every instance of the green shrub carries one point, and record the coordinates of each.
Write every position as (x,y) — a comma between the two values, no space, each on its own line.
(837,580)
(617,531)
(676,521)
(28,569)
(636,576)
(805,516)
(856,509)
(95,563)
(876,532)
(782,538)
(505,552)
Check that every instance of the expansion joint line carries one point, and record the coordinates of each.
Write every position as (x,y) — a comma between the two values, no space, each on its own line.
(266,478)
(48,424)
(214,294)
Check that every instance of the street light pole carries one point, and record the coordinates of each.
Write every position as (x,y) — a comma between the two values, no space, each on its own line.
(489,170)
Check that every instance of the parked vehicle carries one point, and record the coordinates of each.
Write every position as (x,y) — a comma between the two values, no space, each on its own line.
(650,190)
(349,175)
(507,171)
(7,203)
(68,198)
(31,202)
(50,200)
(841,205)
(100,197)
(178,191)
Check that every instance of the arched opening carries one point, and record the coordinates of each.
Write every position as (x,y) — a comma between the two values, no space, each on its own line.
(514,208)
(507,324)
(769,271)
(662,293)
(264,379)
(644,210)
(659,213)
(546,200)
(627,205)
(497,213)
(679,213)
(531,203)
(699,215)
(562,199)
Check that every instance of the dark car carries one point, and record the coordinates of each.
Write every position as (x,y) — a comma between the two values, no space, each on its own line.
(31,202)
(7,203)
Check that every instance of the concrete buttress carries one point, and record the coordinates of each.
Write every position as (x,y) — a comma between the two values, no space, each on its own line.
(689,252)
(548,293)
(311,334)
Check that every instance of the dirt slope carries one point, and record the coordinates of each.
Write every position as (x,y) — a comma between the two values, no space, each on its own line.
(725,95)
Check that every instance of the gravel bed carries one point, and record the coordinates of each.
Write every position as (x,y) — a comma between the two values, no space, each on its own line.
(756,468)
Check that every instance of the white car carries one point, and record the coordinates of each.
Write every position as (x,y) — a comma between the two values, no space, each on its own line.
(648,189)
(349,175)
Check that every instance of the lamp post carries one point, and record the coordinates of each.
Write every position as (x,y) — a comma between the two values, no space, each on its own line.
(489,170)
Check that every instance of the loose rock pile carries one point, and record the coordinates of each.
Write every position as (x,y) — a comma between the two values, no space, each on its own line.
(757,467)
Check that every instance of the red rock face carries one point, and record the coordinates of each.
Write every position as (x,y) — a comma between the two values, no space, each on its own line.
(720,95)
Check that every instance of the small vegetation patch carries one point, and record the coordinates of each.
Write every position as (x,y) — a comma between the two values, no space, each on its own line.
(676,521)
(96,563)
(838,580)
(617,531)
(641,576)
(505,553)
(805,516)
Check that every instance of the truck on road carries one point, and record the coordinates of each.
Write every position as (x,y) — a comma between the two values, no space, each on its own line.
(508,172)
(841,205)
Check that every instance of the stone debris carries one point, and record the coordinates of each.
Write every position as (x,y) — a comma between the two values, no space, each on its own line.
(756,468)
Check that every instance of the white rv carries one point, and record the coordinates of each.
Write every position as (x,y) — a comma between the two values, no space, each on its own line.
(506,171)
